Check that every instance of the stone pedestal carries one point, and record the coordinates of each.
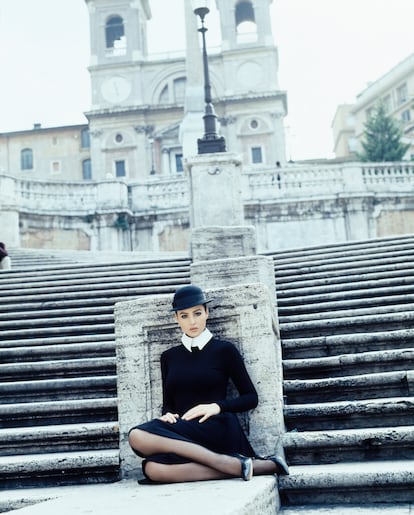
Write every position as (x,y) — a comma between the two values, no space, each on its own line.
(215,190)
(145,327)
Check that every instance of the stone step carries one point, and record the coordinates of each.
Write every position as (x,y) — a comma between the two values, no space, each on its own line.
(360,311)
(357,445)
(356,508)
(95,291)
(349,364)
(33,353)
(87,285)
(59,468)
(67,321)
(26,414)
(344,304)
(350,388)
(59,438)
(90,311)
(108,278)
(336,344)
(46,332)
(32,343)
(354,248)
(393,266)
(307,293)
(97,271)
(52,389)
(346,364)
(55,368)
(360,296)
(346,325)
(381,412)
(338,263)
(311,280)
(370,481)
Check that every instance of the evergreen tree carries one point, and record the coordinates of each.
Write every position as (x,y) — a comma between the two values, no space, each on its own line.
(382,138)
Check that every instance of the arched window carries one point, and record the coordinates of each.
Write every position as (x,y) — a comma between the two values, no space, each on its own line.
(245,22)
(26,159)
(173,93)
(86,170)
(115,36)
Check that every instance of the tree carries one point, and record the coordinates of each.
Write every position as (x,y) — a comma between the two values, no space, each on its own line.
(382,138)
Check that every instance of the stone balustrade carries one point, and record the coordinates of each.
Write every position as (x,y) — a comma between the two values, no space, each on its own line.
(160,194)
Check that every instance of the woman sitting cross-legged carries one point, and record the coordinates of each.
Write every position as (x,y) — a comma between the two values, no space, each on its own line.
(198,437)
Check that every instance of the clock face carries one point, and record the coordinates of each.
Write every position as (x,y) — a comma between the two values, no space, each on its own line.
(116,89)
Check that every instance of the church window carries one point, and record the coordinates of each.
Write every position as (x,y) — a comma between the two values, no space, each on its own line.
(85,138)
(119,138)
(173,92)
(179,89)
(257,155)
(86,170)
(254,124)
(246,27)
(120,168)
(179,163)
(115,36)
(26,159)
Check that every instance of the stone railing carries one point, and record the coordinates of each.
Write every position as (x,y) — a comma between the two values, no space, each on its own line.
(171,194)
(307,181)
(63,196)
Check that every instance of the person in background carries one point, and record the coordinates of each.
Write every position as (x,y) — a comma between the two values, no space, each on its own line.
(5,262)
(198,436)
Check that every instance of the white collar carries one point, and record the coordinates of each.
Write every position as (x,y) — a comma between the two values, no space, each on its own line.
(199,341)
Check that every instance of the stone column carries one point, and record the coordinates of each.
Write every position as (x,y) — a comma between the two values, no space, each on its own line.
(145,327)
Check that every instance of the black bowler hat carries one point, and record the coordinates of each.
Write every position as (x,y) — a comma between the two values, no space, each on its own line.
(187,297)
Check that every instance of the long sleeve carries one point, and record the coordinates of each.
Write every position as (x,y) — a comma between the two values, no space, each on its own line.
(247,398)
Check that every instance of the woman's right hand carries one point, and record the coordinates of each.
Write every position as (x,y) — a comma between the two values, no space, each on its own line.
(171,418)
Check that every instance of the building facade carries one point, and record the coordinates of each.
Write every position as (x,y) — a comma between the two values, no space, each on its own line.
(396,90)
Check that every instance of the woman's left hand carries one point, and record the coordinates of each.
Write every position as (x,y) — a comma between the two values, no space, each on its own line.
(204,411)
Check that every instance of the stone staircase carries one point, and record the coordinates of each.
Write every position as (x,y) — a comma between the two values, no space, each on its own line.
(58,405)
(346,316)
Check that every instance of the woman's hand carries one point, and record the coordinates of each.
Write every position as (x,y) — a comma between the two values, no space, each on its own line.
(170,417)
(204,411)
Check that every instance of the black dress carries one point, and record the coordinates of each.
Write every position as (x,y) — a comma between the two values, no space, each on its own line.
(191,378)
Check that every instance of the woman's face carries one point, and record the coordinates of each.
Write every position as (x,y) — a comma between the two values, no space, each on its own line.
(192,320)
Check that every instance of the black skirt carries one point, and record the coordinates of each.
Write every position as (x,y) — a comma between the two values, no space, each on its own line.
(221,433)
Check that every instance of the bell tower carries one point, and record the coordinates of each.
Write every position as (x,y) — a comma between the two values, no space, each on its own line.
(250,74)
(118,35)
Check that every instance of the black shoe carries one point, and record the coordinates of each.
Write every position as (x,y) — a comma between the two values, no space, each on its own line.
(282,468)
(246,467)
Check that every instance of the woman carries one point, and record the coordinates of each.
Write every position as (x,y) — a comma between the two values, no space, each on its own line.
(198,437)
(5,263)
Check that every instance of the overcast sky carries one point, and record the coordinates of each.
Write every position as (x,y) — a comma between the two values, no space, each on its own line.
(329,50)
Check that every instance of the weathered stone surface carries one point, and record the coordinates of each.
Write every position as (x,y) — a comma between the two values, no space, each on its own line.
(209,243)
(145,328)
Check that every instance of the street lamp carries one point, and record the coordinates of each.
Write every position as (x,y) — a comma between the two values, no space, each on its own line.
(210,142)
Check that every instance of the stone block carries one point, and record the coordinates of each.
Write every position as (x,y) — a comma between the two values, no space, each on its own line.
(217,242)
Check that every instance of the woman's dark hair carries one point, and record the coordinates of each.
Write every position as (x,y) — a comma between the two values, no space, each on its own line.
(3,251)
